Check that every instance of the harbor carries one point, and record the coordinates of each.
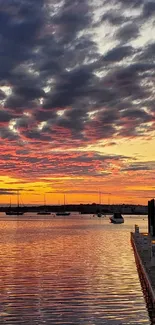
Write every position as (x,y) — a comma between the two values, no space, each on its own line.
(93,208)
(77,132)
(74,270)
(143,244)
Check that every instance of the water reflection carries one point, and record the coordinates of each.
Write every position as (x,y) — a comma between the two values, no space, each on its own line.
(69,271)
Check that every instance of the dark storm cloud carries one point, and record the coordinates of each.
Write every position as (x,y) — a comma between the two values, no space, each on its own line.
(74,120)
(34,134)
(137,114)
(25,97)
(51,61)
(73,17)
(107,117)
(26,91)
(24,122)
(21,76)
(128,80)
(113,18)
(148,54)
(2,95)
(20,25)
(132,122)
(127,32)
(69,86)
(140,166)
(29,92)
(19,103)
(56,57)
(135,168)
(131,3)
(45,115)
(5,116)
(44,52)
(49,66)
(15,102)
(150,105)
(149,9)
(118,53)
(5,133)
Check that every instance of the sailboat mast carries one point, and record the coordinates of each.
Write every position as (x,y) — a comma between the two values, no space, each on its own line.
(10,201)
(99,197)
(18,198)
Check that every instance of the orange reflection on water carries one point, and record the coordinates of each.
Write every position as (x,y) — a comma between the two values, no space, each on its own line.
(63,271)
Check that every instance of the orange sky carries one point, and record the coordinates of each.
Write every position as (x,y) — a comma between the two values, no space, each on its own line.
(119,179)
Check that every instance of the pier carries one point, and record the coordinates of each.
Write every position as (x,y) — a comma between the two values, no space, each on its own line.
(144,250)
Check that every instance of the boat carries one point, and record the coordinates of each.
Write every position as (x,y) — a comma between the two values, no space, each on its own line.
(63,212)
(14,211)
(99,214)
(117,218)
(44,211)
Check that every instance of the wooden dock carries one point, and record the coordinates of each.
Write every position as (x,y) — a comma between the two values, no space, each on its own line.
(144,250)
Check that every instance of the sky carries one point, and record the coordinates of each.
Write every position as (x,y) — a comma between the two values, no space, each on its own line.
(77,101)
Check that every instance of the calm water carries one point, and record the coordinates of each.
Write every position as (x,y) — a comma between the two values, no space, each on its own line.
(69,271)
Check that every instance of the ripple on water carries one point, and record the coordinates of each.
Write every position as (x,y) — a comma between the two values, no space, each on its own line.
(79,271)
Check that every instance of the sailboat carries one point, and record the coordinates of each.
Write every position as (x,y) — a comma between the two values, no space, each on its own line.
(44,211)
(99,213)
(63,213)
(14,211)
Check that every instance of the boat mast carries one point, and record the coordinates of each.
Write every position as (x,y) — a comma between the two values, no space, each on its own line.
(10,201)
(18,198)
(44,200)
(99,197)
(64,202)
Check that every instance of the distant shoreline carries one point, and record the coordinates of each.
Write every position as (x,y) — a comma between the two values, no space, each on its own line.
(82,208)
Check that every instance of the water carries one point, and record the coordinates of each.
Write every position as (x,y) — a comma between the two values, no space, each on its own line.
(78,270)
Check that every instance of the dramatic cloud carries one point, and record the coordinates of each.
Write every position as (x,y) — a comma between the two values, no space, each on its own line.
(149,9)
(149,165)
(118,53)
(73,164)
(113,18)
(127,32)
(74,75)
(131,3)
(7,192)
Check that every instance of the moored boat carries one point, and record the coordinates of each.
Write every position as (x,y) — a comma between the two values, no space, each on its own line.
(99,214)
(16,211)
(44,212)
(63,213)
(117,218)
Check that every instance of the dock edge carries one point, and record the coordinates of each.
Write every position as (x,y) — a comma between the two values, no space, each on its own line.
(142,271)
